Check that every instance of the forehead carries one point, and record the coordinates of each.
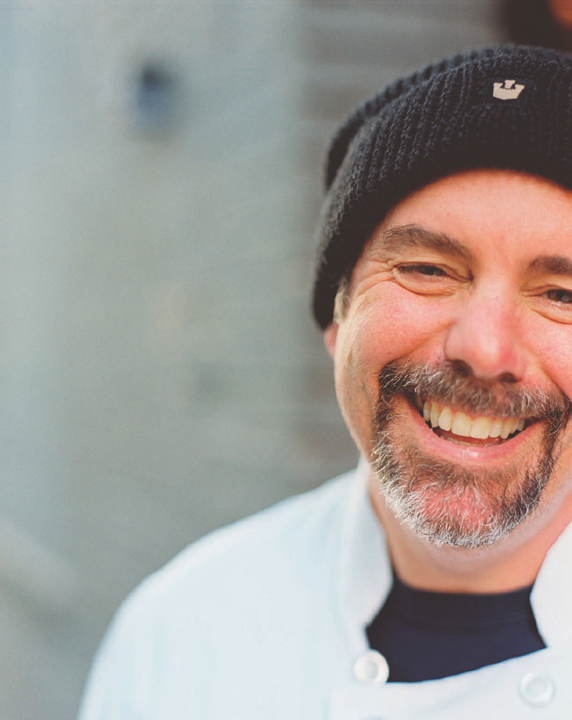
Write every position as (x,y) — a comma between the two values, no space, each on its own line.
(494,212)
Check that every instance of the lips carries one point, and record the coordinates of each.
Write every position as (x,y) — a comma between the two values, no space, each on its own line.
(451,423)
(491,419)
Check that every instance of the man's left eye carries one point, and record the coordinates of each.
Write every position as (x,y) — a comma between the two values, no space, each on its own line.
(559,295)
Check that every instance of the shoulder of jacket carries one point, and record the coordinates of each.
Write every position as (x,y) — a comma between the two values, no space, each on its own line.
(252,547)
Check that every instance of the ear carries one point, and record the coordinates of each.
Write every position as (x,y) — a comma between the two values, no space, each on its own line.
(330,337)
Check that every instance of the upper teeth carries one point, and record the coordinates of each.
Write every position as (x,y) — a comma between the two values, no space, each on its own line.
(460,424)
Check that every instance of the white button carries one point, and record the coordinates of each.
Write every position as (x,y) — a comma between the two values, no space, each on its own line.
(371,668)
(536,689)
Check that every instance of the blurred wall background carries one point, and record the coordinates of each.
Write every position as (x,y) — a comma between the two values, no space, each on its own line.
(161,374)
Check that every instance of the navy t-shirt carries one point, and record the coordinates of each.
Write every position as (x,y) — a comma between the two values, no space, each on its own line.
(428,635)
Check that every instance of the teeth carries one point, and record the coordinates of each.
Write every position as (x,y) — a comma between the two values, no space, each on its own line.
(497,427)
(426,412)
(435,412)
(507,428)
(446,418)
(461,424)
(481,428)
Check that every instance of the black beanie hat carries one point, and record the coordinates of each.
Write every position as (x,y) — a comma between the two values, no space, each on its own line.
(505,107)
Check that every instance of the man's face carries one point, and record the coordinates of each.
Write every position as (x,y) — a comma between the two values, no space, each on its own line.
(453,360)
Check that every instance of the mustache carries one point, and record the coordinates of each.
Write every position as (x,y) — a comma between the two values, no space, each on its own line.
(453,383)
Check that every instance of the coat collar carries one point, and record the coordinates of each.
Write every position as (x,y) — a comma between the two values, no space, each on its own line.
(551,596)
(365,574)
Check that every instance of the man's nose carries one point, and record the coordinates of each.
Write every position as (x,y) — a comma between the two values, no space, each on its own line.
(486,336)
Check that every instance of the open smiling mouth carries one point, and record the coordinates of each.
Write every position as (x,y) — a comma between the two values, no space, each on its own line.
(462,429)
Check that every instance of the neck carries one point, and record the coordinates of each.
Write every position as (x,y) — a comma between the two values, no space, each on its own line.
(503,566)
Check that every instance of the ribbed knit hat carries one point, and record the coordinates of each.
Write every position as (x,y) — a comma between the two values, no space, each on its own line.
(505,107)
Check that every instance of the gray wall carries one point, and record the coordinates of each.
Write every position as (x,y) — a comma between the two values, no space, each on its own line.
(161,375)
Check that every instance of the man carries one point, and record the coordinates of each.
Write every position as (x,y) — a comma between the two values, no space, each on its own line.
(436,580)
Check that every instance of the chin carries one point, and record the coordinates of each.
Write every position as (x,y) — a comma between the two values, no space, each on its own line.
(455,505)
(463,518)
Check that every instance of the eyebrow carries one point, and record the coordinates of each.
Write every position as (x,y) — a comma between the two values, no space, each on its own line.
(553,265)
(405,237)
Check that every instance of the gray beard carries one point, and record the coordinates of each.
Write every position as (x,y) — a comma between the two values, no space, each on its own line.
(447,503)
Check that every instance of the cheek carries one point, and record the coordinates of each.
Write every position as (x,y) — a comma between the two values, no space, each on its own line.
(553,350)
(400,326)
(380,333)
(559,370)
(356,384)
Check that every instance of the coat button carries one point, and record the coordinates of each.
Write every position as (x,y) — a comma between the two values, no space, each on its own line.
(536,689)
(371,668)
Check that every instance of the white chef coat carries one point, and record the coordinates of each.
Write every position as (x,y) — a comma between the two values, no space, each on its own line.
(266,619)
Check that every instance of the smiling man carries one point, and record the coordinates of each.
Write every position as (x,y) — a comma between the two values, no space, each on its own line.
(436,580)
(462,409)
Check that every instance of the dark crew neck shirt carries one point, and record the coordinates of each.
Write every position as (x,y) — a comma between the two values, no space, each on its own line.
(429,635)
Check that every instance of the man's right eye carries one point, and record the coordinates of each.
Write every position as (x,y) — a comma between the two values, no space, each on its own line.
(423,269)
(426,278)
